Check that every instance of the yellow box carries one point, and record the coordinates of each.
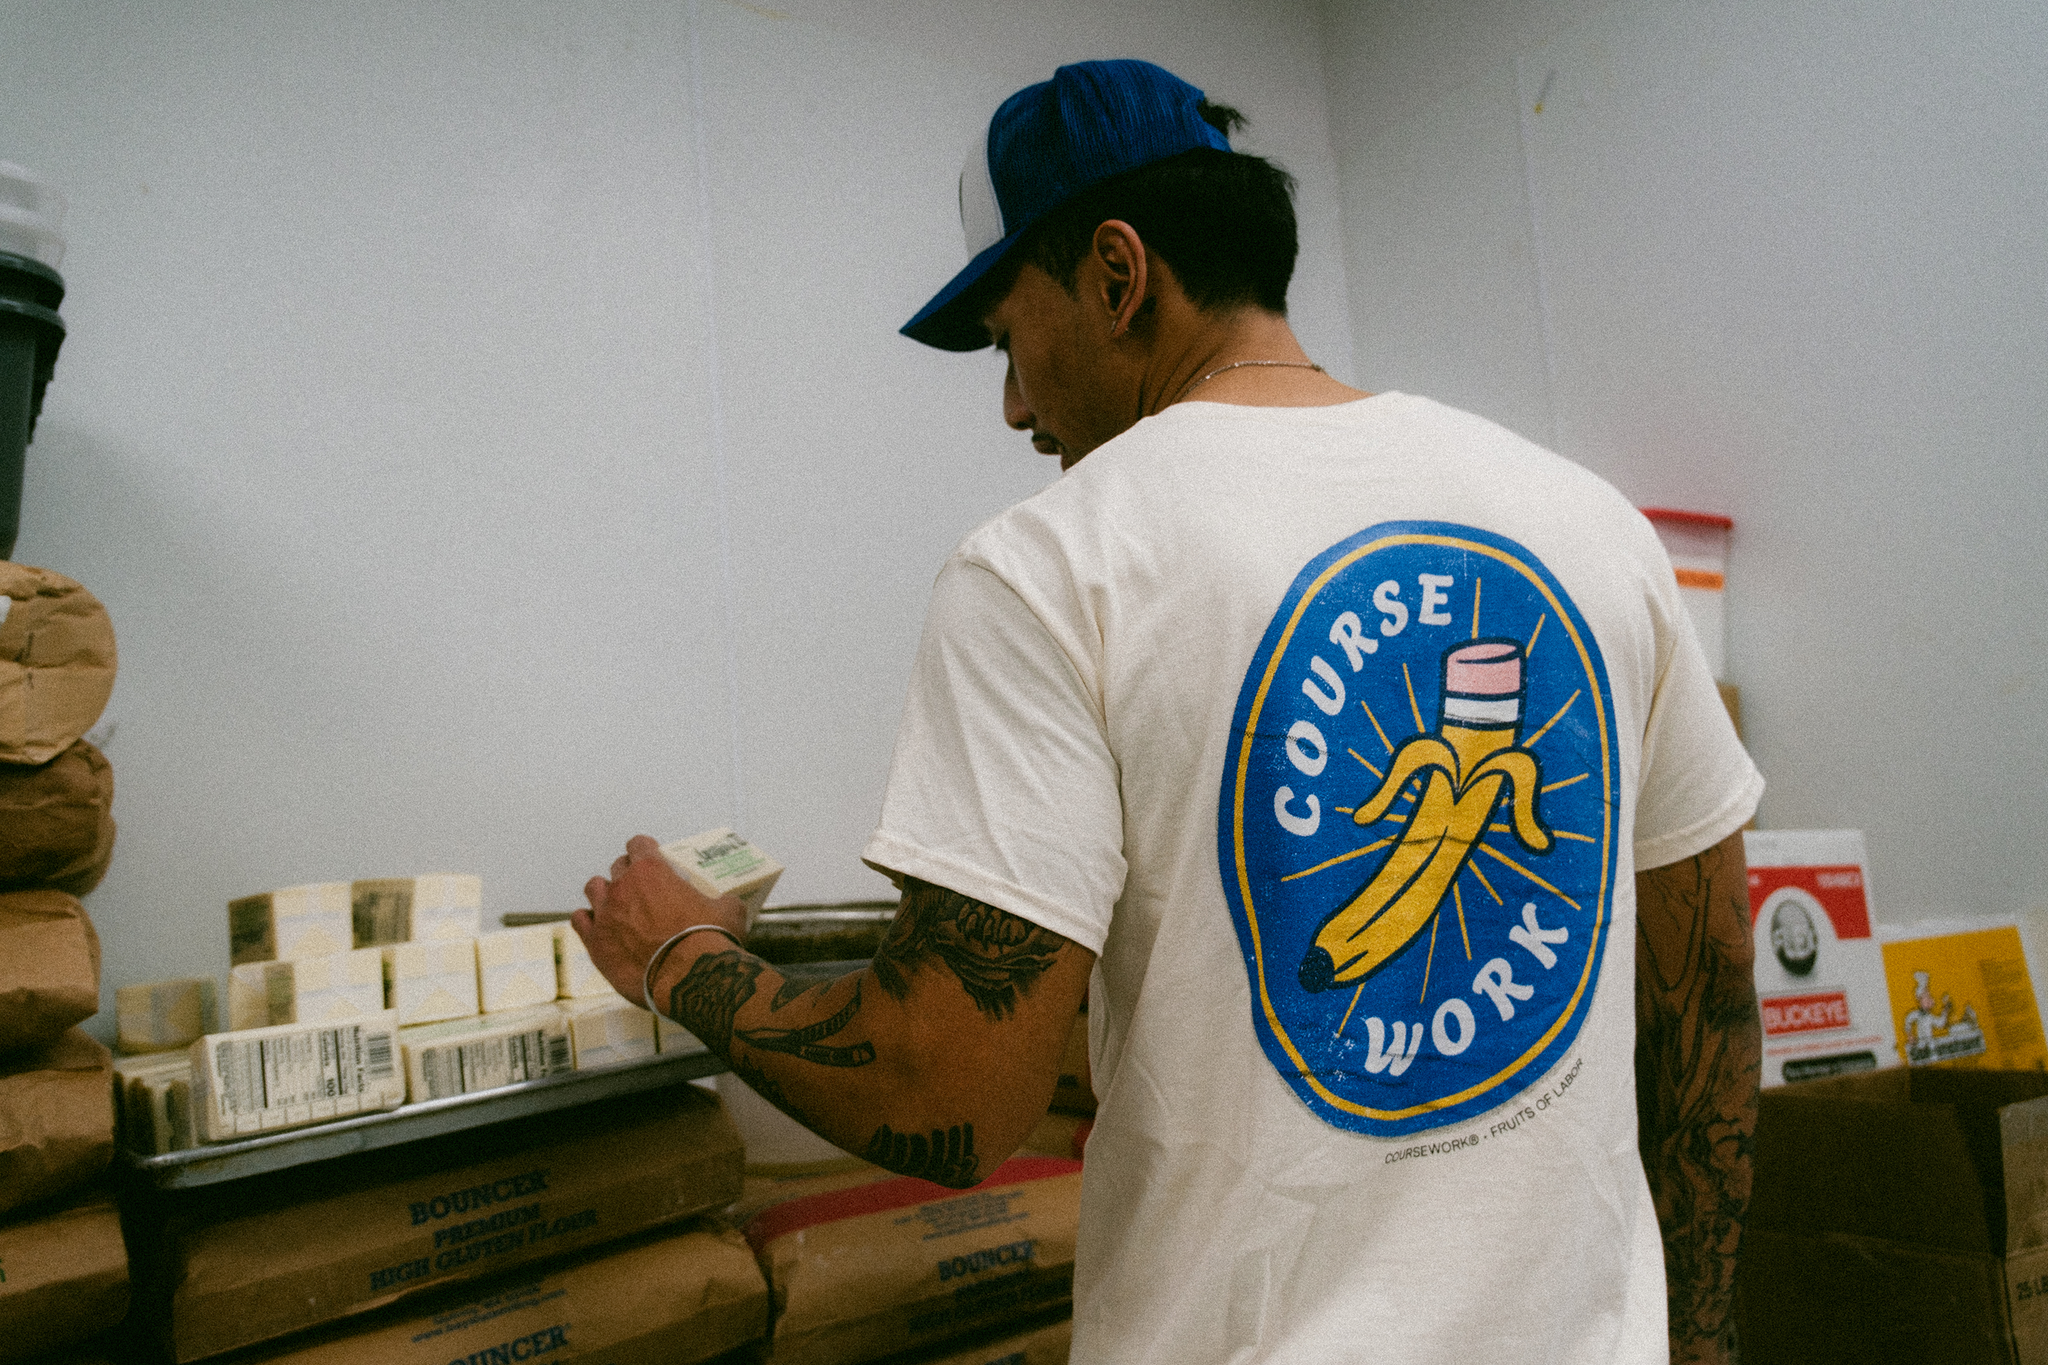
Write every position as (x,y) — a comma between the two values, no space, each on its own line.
(515,967)
(464,1056)
(165,1016)
(437,907)
(428,982)
(608,1032)
(297,921)
(267,1079)
(576,976)
(310,990)
(719,862)
(1965,1000)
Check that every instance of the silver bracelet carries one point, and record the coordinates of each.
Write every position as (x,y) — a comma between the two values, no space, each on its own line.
(661,953)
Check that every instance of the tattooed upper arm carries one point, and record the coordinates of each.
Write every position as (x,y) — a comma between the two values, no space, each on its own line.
(997,957)
(1698,1050)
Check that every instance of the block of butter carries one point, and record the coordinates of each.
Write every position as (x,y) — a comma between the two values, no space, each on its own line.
(164,1016)
(426,982)
(719,862)
(262,1080)
(608,1032)
(310,990)
(153,1102)
(298,921)
(444,905)
(515,967)
(671,1038)
(576,976)
(463,1056)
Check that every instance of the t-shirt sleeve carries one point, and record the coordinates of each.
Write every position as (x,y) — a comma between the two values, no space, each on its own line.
(1699,785)
(1003,787)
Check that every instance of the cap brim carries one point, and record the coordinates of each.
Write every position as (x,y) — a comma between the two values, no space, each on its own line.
(952,320)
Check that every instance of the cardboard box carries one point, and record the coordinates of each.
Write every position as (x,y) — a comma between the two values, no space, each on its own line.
(1819,970)
(63,1277)
(307,990)
(56,1119)
(719,862)
(1964,999)
(863,1272)
(576,976)
(608,1032)
(49,967)
(1049,1343)
(297,921)
(165,1016)
(464,1056)
(306,1253)
(425,983)
(1899,1215)
(56,663)
(267,1079)
(434,908)
(57,822)
(675,1300)
(515,968)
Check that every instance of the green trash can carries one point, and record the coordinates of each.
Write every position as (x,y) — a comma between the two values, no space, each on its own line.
(30,335)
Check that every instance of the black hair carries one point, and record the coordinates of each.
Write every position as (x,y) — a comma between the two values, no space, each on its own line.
(1222,221)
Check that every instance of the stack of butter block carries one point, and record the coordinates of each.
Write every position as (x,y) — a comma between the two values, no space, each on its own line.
(63,1266)
(394,981)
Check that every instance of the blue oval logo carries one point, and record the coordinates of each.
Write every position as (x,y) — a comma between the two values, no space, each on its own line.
(1418,826)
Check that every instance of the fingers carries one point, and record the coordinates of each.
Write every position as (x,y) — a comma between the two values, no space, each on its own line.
(595,890)
(620,864)
(641,846)
(582,921)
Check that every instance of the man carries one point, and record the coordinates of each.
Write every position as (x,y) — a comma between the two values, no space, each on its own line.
(1347,752)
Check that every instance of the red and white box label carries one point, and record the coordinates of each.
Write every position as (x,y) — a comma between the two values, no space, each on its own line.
(1819,970)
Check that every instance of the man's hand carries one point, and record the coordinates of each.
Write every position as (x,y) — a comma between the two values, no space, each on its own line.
(634,912)
(1698,1062)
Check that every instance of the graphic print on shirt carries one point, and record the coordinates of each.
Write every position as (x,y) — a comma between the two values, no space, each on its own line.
(1418,824)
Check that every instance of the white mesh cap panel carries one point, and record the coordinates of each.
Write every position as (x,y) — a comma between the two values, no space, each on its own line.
(981,217)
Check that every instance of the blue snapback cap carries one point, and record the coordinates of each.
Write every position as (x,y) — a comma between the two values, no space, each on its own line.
(1045,144)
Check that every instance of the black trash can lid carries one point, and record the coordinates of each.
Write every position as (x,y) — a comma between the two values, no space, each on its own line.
(28,279)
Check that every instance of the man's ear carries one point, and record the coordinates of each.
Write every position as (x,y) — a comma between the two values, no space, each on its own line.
(1120,268)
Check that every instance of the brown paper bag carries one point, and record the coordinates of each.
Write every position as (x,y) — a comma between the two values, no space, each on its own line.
(674,1301)
(861,1273)
(240,1277)
(56,1119)
(49,968)
(56,663)
(57,822)
(63,1277)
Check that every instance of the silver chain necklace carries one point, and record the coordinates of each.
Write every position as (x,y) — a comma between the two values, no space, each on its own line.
(1194,384)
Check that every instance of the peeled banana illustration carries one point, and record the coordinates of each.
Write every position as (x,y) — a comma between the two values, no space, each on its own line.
(1468,766)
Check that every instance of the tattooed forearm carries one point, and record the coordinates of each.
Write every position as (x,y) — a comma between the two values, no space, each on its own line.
(711,993)
(1698,1059)
(996,956)
(798,977)
(806,1042)
(944,1158)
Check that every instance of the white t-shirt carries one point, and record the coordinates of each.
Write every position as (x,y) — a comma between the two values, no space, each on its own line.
(1339,734)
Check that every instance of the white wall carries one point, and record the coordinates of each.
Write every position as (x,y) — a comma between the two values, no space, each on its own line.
(485,421)
(1784,262)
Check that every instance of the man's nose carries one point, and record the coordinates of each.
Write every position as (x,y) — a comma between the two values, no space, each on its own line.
(1015,413)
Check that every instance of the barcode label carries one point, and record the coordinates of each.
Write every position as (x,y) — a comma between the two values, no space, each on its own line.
(299,1068)
(463,1068)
